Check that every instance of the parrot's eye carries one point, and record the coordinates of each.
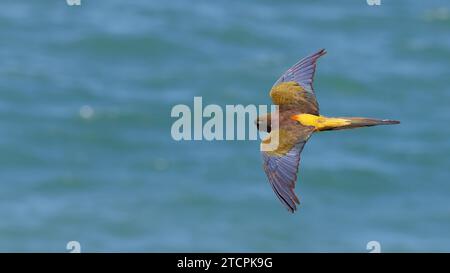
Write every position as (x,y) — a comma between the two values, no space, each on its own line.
(262,125)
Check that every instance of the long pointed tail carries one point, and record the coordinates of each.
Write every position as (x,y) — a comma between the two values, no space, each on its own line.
(356,122)
(322,123)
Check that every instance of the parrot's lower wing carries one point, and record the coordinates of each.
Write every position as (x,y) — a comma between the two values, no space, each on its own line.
(281,165)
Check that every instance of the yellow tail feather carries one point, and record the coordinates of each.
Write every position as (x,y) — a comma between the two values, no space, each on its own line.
(321,123)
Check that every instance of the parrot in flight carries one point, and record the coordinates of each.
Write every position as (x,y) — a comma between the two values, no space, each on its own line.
(297,119)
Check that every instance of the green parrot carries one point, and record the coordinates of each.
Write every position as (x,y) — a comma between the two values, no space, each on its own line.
(297,119)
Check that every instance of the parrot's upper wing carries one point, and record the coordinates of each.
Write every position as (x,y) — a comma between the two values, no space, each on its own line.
(281,165)
(295,86)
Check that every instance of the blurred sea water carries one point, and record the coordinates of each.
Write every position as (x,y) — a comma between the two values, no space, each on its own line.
(86,152)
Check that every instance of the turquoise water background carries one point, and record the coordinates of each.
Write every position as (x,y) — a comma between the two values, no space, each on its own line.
(113,179)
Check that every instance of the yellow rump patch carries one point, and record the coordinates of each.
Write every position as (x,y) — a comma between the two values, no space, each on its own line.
(320,123)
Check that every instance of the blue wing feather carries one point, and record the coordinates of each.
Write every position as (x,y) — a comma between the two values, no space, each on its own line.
(303,72)
(282,174)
